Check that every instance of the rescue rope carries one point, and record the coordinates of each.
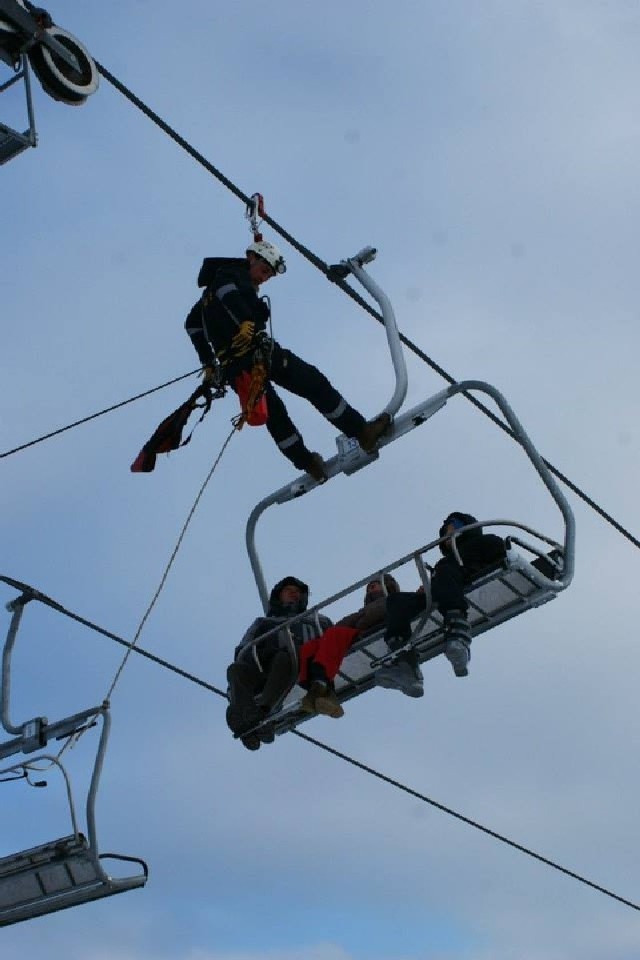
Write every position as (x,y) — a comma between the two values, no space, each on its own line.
(165,574)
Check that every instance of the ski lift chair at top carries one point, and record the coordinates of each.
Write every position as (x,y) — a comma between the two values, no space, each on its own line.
(69,870)
(61,63)
(521,581)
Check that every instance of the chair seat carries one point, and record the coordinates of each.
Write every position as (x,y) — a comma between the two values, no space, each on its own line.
(57,875)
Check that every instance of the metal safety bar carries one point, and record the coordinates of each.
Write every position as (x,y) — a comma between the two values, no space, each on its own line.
(351,457)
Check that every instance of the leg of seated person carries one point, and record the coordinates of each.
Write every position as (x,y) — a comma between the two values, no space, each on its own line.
(447,588)
(244,680)
(447,585)
(320,661)
(405,674)
(332,648)
(400,611)
(280,679)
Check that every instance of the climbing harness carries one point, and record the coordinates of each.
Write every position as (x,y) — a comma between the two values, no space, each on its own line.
(168,436)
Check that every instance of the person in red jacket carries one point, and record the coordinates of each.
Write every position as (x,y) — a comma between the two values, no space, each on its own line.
(228,328)
(320,658)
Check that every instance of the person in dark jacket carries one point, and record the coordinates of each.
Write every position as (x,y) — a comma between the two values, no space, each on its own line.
(227,327)
(320,658)
(263,672)
(477,550)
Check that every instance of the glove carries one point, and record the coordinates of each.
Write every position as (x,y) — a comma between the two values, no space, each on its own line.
(243,338)
(209,376)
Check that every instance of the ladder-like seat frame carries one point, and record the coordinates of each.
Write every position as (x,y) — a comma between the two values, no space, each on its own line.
(495,595)
(68,871)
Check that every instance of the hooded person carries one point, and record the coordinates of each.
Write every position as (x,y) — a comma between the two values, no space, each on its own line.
(263,670)
(228,329)
(477,551)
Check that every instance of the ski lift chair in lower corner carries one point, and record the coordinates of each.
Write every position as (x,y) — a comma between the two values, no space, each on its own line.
(69,870)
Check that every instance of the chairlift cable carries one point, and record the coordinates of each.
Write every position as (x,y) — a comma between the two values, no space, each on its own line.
(96,628)
(324,268)
(459,816)
(100,413)
(167,568)
(192,678)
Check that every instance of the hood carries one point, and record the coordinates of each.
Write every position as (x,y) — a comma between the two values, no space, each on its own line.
(459,520)
(277,609)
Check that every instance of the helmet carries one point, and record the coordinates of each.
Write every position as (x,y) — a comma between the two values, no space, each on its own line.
(270,253)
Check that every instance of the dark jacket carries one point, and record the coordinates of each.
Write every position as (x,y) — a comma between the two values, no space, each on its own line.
(228,300)
(305,629)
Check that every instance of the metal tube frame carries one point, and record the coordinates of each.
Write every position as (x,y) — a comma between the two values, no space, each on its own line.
(24,741)
(350,458)
(30,137)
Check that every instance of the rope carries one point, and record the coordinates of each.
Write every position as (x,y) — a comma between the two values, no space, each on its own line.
(472,823)
(192,678)
(163,579)
(100,413)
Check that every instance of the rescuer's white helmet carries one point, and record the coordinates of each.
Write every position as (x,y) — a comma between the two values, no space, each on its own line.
(270,253)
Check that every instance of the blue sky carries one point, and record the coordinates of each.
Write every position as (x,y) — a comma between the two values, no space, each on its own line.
(490,152)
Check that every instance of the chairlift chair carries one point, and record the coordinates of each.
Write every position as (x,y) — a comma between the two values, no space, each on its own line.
(530,575)
(69,870)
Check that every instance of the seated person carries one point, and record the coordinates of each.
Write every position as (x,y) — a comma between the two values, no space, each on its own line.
(321,657)
(477,550)
(262,674)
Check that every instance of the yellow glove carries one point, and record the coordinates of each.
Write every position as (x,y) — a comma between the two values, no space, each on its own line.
(244,337)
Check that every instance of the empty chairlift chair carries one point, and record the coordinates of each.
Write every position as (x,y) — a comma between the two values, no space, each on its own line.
(530,574)
(69,870)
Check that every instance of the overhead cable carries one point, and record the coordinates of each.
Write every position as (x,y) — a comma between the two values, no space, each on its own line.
(100,413)
(133,648)
(324,268)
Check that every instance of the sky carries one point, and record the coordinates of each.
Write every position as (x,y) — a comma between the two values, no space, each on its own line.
(490,153)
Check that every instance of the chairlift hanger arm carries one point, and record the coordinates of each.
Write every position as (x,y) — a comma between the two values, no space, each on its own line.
(33,33)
